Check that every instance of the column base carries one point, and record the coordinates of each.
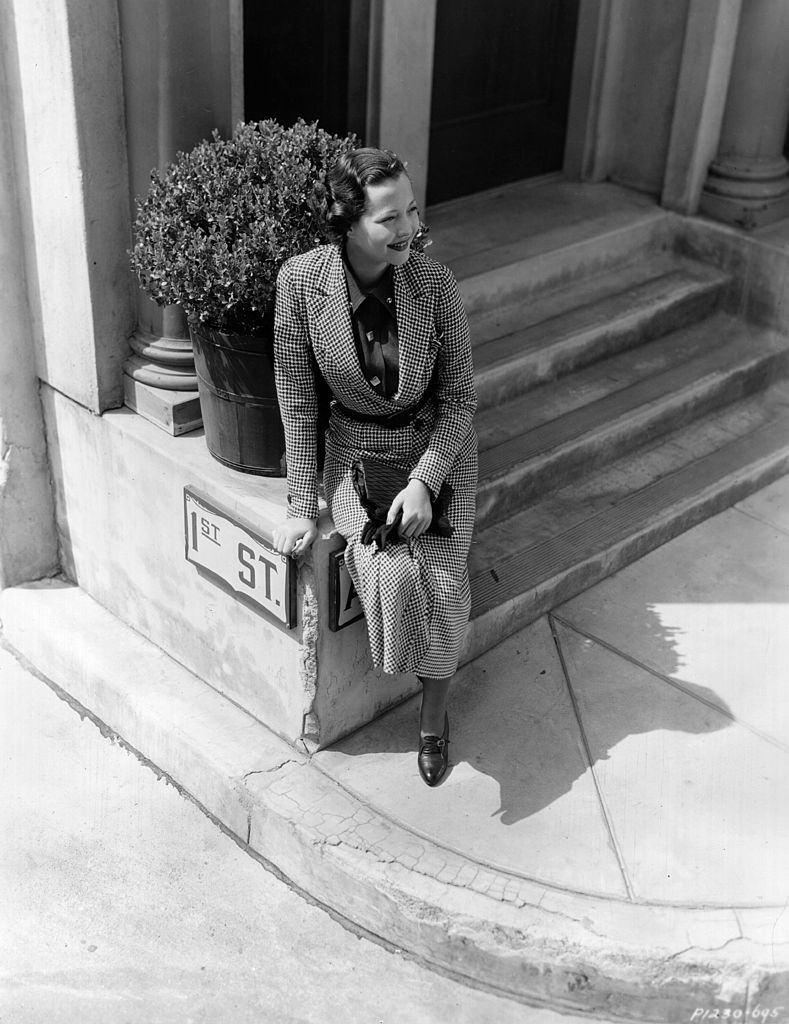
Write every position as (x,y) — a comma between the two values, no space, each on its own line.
(161,372)
(744,213)
(177,412)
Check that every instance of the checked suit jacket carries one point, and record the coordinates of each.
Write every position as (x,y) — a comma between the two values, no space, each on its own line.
(313,320)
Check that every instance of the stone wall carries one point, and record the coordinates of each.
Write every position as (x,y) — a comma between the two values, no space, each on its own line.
(119,484)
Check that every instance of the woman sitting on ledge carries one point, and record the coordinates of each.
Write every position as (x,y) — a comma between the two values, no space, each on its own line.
(385,327)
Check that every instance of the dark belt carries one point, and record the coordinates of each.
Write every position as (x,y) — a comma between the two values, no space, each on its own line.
(393,421)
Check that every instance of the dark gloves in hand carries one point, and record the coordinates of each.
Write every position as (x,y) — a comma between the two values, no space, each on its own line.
(382,533)
(378,483)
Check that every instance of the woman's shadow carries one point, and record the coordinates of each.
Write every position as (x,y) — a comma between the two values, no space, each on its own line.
(534,713)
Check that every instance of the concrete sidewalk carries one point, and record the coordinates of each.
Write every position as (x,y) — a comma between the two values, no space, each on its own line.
(613,835)
(633,744)
(124,904)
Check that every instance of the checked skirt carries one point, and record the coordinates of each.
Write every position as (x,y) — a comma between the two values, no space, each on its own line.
(415,594)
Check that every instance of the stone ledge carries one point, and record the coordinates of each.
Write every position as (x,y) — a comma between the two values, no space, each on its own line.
(512,935)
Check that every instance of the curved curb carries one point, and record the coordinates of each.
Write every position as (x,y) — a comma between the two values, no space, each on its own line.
(561,948)
(519,938)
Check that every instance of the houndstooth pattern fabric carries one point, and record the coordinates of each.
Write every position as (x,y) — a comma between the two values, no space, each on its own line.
(415,595)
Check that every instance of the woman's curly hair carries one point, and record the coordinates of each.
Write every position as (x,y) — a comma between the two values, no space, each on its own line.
(341,200)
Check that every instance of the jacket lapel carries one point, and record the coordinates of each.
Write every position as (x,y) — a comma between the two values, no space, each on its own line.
(329,321)
(331,333)
(414,308)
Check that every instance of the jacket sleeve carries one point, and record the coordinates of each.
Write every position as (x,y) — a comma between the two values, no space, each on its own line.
(297,396)
(456,394)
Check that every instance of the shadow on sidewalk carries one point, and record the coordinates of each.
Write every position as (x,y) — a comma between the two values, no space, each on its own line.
(519,715)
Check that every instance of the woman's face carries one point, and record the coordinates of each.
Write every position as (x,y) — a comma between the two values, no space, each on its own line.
(384,232)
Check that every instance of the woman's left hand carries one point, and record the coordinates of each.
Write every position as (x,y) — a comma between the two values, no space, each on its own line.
(414,500)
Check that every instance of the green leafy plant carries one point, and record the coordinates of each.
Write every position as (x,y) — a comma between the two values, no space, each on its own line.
(217,224)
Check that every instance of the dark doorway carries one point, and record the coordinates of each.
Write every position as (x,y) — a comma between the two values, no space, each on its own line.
(302,60)
(501,90)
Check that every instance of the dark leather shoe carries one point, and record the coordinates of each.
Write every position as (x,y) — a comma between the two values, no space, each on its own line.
(433,758)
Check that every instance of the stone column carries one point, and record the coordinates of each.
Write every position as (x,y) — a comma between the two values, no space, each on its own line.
(71,171)
(183,75)
(400,82)
(707,58)
(596,71)
(28,541)
(748,182)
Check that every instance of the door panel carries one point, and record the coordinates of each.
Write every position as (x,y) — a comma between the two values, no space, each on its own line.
(296,61)
(501,88)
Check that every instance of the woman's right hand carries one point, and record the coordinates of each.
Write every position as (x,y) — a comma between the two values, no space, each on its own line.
(295,536)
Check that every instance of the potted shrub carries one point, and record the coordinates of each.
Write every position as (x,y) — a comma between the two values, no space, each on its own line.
(210,236)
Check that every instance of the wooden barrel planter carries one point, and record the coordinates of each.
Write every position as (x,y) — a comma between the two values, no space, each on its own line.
(238,399)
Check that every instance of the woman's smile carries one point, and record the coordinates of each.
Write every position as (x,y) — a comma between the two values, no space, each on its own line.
(382,236)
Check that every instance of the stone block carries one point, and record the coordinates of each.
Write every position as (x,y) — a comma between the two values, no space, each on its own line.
(177,412)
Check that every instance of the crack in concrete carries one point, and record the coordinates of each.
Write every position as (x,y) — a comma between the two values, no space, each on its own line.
(607,816)
(308,654)
(268,771)
(759,519)
(584,920)
(499,888)
(9,447)
(705,949)
(274,768)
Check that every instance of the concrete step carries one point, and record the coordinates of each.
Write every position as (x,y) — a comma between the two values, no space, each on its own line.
(522,344)
(526,209)
(525,241)
(536,265)
(540,441)
(600,522)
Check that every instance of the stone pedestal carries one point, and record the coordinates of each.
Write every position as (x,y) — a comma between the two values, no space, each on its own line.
(159,378)
(748,182)
(175,411)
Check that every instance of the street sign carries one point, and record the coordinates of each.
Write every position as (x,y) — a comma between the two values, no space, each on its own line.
(240,558)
